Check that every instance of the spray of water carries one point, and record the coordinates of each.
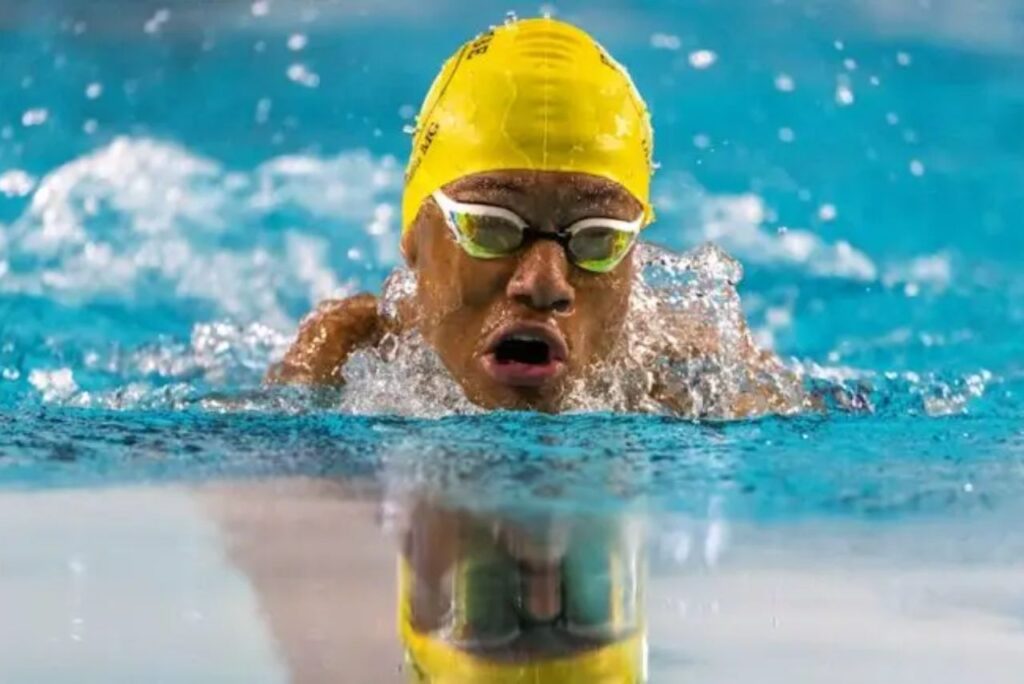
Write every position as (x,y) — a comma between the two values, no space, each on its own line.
(684,349)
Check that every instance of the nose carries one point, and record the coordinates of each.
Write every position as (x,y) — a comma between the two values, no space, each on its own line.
(541,279)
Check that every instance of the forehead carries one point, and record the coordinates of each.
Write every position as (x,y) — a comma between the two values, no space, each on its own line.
(567,192)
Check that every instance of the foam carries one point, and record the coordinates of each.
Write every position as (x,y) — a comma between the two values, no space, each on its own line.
(142,220)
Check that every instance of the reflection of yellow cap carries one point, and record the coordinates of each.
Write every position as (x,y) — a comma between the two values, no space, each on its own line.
(534,94)
(434,661)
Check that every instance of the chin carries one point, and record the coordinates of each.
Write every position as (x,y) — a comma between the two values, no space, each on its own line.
(494,396)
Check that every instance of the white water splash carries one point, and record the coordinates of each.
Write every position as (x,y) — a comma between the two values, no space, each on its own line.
(16,183)
(736,222)
(672,293)
(141,220)
(54,385)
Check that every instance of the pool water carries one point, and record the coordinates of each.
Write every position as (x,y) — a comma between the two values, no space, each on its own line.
(181,181)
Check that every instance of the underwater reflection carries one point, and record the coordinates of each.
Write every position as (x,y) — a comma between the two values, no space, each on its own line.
(484,593)
(496,596)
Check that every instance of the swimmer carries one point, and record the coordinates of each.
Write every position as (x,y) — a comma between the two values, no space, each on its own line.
(525,194)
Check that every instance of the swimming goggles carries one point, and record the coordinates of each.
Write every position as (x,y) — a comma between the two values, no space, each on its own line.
(488,232)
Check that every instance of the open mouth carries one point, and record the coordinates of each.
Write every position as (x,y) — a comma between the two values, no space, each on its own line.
(524,349)
(525,355)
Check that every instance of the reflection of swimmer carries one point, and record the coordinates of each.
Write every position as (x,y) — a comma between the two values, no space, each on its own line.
(492,597)
(485,595)
(528,184)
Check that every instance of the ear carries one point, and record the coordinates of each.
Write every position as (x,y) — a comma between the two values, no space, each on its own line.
(411,236)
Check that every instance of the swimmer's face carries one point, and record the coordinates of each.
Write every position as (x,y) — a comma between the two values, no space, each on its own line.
(516,330)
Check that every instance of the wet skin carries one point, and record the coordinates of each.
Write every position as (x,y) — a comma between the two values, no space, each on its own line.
(465,306)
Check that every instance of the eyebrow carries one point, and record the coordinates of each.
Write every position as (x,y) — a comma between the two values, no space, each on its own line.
(592,194)
(495,185)
(597,194)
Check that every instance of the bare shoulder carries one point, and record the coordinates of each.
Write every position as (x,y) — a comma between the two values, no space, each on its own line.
(756,381)
(326,338)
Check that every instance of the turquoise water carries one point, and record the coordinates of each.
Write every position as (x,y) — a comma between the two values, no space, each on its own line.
(181,181)
(184,201)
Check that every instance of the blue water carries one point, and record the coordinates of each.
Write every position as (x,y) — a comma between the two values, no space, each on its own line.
(181,181)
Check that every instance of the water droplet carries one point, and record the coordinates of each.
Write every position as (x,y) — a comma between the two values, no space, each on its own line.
(850,64)
(827,212)
(260,8)
(16,183)
(786,134)
(34,117)
(892,118)
(665,41)
(93,90)
(844,93)
(156,22)
(297,42)
(547,11)
(701,141)
(409,129)
(702,59)
(90,126)
(903,59)
(839,45)
(510,18)
(263,110)
(299,73)
(916,167)
(784,83)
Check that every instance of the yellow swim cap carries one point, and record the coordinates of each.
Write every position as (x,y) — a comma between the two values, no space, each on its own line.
(535,94)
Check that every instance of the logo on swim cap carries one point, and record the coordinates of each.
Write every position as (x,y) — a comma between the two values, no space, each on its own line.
(536,94)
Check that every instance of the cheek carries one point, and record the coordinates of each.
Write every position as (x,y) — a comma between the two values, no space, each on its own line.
(601,307)
(454,289)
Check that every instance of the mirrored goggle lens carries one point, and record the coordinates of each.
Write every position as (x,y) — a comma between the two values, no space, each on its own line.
(488,236)
(600,248)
